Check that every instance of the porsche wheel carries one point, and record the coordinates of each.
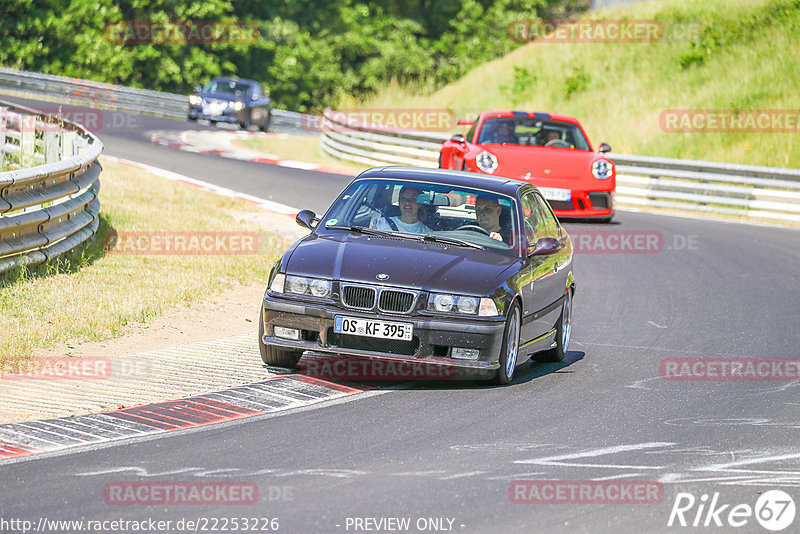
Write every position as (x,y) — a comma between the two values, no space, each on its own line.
(510,348)
(272,355)
(563,334)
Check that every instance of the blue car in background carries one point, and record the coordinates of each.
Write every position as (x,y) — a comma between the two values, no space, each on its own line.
(232,100)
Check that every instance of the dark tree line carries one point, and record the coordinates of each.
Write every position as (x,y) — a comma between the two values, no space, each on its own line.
(309,53)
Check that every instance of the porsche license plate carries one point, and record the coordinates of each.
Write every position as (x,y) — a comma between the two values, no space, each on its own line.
(372,328)
(551,193)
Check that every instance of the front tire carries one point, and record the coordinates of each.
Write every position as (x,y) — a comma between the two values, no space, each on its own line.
(272,355)
(509,352)
(563,334)
(265,125)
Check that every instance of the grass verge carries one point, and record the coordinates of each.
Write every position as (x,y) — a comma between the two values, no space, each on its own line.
(93,293)
(715,55)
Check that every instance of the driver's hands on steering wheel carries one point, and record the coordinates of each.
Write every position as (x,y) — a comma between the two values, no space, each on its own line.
(559,143)
(496,235)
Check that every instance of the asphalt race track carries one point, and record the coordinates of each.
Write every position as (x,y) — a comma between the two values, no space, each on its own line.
(444,454)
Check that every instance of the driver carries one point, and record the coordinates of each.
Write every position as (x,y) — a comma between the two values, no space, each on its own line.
(552,135)
(504,134)
(488,211)
(408,221)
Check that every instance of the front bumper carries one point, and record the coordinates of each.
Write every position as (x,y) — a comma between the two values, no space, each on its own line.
(585,204)
(195,112)
(432,343)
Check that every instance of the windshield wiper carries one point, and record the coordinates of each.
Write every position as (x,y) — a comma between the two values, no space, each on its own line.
(359,229)
(451,241)
(406,235)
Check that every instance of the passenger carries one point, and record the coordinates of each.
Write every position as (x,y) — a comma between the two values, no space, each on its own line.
(409,219)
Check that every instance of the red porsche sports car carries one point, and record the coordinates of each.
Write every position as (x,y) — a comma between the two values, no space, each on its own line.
(549,150)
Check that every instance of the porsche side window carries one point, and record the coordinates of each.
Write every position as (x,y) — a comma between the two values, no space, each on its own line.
(471,131)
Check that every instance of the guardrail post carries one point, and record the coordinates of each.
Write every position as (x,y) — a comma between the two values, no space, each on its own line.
(68,139)
(51,147)
(27,140)
(3,141)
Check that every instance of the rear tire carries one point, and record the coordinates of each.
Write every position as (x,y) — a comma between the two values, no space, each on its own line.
(272,355)
(563,334)
(509,352)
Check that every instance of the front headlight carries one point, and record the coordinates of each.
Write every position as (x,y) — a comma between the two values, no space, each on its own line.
(486,161)
(445,303)
(313,287)
(602,169)
(237,106)
(278,283)
(195,100)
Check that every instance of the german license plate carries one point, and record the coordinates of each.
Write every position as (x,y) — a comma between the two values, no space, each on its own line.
(552,193)
(372,328)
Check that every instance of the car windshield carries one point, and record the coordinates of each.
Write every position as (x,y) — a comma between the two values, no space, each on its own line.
(458,216)
(532,132)
(233,88)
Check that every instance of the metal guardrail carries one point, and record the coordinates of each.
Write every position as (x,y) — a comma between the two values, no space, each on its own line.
(122,98)
(48,200)
(703,186)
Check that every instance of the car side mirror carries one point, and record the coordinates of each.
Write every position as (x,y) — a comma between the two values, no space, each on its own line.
(458,138)
(546,246)
(604,147)
(197,89)
(307,219)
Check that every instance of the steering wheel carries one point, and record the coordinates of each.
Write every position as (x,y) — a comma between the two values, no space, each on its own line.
(558,142)
(474,228)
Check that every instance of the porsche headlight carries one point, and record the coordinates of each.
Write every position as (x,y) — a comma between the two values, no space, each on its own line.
(301,285)
(459,304)
(195,100)
(486,161)
(602,169)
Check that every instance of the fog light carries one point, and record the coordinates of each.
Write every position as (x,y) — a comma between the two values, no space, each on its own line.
(287,333)
(465,354)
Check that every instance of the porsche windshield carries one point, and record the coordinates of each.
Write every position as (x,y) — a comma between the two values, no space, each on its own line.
(408,209)
(532,132)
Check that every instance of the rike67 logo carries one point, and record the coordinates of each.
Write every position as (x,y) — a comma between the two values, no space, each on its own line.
(774,510)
